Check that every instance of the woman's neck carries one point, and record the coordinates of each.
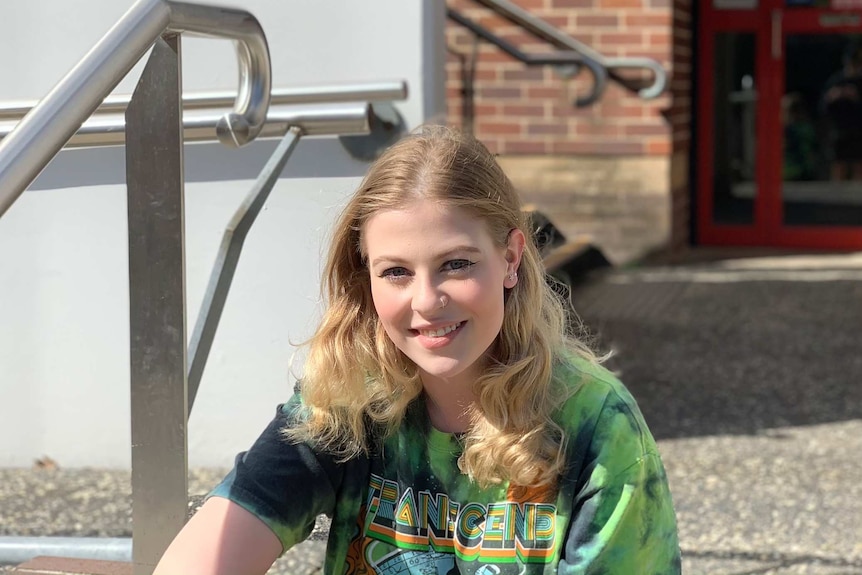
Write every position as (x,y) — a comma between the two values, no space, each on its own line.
(448,404)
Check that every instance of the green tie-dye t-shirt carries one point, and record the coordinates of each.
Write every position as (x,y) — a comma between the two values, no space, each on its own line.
(408,510)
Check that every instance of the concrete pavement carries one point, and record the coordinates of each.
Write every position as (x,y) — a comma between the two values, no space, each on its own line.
(749,373)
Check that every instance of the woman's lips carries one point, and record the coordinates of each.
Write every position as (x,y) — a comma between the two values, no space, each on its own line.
(440,337)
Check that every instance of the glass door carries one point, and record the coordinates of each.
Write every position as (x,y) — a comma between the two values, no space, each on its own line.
(730,123)
(779,120)
(821,126)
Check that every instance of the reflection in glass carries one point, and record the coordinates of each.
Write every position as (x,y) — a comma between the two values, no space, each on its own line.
(734,124)
(821,115)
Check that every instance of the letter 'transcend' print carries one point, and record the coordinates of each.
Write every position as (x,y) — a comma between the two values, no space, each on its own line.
(424,533)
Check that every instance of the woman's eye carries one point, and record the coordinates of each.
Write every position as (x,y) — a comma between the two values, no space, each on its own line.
(457,265)
(393,273)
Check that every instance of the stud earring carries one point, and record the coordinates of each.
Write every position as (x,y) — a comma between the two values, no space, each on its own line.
(513,276)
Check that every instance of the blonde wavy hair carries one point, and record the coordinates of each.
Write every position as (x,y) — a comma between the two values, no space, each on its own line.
(356,380)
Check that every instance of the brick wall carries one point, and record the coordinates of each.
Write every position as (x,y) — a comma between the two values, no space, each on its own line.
(615,172)
(681,119)
(528,110)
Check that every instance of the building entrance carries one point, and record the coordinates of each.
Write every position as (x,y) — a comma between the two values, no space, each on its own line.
(779,149)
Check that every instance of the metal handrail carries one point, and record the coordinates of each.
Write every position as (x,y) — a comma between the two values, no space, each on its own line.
(46,128)
(163,385)
(591,58)
(331,93)
(201,126)
(562,58)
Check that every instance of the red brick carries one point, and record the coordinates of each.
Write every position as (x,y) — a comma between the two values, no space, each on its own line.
(534,73)
(547,129)
(494,56)
(661,56)
(531,110)
(524,147)
(564,22)
(546,91)
(569,110)
(486,109)
(491,20)
(498,92)
(498,128)
(597,20)
(620,3)
(616,110)
(645,130)
(486,74)
(524,40)
(658,39)
(659,147)
(621,38)
(573,3)
(597,129)
(644,20)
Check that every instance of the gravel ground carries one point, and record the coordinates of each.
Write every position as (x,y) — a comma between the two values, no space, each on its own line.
(749,375)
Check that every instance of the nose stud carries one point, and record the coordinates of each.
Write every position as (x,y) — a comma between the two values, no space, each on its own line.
(444,301)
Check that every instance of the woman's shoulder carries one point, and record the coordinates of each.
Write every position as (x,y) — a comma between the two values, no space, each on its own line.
(584,381)
(594,397)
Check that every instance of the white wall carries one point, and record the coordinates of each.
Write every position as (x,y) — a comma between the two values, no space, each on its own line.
(64,340)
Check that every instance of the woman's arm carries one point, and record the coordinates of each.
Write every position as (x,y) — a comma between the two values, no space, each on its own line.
(222,538)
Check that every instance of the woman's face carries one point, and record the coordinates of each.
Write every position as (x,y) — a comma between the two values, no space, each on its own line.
(437,280)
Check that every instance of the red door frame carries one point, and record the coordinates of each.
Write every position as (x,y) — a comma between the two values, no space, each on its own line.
(767,229)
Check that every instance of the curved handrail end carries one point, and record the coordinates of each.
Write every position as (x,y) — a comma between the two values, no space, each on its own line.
(659,74)
(245,123)
(600,82)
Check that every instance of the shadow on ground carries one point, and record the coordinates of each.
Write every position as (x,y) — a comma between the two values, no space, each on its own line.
(709,351)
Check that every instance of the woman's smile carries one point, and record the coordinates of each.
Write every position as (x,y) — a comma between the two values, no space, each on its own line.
(433,338)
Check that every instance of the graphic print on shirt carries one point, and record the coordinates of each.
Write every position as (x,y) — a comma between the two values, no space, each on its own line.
(423,532)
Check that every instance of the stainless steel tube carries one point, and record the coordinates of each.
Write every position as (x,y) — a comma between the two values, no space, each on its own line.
(366,92)
(15,550)
(44,131)
(201,125)
(48,126)
(255,71)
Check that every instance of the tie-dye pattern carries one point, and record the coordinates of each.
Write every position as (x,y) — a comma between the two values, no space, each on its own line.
(408,510)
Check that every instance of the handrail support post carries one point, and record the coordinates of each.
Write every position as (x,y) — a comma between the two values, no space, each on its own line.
(158,356)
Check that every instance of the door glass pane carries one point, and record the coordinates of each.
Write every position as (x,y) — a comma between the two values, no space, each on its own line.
(734,186)
(807,3)
(734,4)
(821,115)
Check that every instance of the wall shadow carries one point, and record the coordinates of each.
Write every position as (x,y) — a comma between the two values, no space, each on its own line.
(204,162)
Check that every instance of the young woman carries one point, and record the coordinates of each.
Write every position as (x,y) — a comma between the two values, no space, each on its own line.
(444,421)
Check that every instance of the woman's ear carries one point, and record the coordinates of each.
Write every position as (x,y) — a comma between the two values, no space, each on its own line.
(514,250)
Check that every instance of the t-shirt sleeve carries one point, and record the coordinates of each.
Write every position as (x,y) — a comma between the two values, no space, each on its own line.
(622,516)
(284,484)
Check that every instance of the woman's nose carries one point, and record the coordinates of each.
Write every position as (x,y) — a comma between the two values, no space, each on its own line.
(427,296)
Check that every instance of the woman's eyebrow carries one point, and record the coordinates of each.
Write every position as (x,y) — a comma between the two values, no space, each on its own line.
(441,256)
